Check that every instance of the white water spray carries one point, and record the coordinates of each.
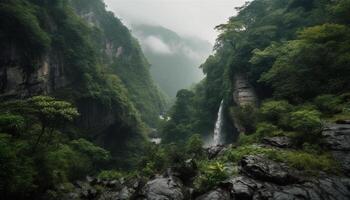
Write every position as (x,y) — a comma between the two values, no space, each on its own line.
(218,126)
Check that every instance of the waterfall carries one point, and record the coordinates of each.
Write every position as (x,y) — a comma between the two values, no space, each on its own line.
(218,126)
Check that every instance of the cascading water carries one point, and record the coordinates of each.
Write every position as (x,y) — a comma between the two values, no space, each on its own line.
(218,126)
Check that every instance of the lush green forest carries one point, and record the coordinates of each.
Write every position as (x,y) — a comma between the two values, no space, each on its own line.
(78,104)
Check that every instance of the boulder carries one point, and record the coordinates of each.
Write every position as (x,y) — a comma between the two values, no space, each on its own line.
(164,188)
(242,187)
(281,142)
(264,169)
(213,151)
(217,194)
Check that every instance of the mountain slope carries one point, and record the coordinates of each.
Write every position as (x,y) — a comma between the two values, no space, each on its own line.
(83,55)
(175,59)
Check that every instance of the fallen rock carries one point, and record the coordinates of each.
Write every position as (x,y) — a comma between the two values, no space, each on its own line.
(281,142)
(263,169)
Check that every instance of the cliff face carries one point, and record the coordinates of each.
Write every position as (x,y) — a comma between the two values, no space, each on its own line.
(243,92)
(122,55)
(79,52)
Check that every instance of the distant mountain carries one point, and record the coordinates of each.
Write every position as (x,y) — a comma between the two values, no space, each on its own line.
(174,59)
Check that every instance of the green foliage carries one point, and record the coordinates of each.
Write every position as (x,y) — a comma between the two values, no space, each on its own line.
(20,23)
(328,104)
(273,111)
(301,59)
(110,175)
(13,124)
(17,173)
(48,109)
(195,145)
(301,160)
(211,174)
(262,130)
(246,116)
(306,121)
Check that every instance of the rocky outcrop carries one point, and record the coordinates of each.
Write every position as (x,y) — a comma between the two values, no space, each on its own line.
(280,142)
(263,179)
(243,92)
(269,171)
(336,137)
(164,188)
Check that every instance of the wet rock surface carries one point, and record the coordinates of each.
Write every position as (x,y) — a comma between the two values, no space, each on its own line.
(266,170)
(214,151)
(217,194)
(281,142)
(336,137)
(163,188)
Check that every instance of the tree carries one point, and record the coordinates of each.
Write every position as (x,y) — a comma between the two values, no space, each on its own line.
(51,113)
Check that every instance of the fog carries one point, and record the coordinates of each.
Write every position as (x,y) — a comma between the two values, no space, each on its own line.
(187,17)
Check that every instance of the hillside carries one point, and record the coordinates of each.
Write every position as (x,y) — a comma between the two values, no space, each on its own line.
(174,59)
(76,52)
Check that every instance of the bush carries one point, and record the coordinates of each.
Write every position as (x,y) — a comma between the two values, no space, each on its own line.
(195,145)
(262,130)
(306,121)
(12,124)
(17,172)
(329,104)
(273,111)
(246,116)
(110,175)
(309,161)
(211,173)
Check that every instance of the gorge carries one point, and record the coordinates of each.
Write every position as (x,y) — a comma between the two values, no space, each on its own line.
(82,118)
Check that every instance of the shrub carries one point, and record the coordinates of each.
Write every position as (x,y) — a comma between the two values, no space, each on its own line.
(329,104)
(110,175)
(211,173)
(263,130)
(306,121)
(246,116)
(195,145)
(273,111)
(309,161)
(12,124)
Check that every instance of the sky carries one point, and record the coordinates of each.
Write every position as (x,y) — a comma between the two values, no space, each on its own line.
(186,17)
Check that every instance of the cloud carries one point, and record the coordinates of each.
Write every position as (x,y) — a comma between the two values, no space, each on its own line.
(156,45)
(187,17)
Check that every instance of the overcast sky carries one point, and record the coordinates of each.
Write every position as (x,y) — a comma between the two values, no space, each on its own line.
(187,17)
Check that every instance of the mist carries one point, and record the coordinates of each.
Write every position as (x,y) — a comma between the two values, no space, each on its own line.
(186,17)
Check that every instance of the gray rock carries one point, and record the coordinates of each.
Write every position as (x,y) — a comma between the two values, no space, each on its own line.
(281,142)
(164,188)
(217,194)
(213,151)
(337,137)
(242,187)
(264,169)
